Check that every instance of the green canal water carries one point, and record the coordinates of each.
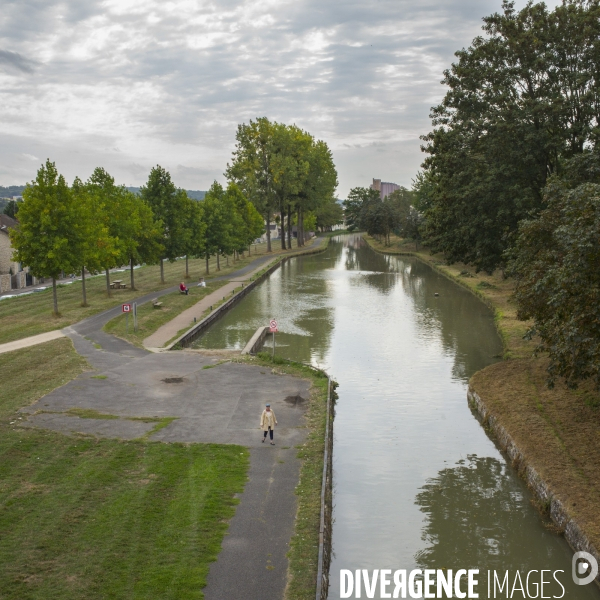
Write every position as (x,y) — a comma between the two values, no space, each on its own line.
(417,482)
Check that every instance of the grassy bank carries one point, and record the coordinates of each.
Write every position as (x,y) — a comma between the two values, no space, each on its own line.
(31,314)
(88,518)
(304,545)
(557,430)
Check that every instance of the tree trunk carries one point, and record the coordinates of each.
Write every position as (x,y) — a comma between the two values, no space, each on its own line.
(301,220)
(107,283)
(131,277)
(282,222)
(218,262)
(289,225)
(227,260)
(249,249)
(84,303)
(207,259)
(268,220)
(162,271)
(187,269)
(54,297)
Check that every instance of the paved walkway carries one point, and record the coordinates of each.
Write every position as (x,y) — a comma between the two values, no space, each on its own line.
(30,341)
(216,405)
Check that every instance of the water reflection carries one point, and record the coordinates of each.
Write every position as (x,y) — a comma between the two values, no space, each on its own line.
(478,515)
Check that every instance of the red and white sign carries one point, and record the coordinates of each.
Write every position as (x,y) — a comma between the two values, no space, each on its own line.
(126,308)
(273,326)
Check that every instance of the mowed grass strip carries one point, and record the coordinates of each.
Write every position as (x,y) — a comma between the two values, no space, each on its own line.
(86,518)
(31,314)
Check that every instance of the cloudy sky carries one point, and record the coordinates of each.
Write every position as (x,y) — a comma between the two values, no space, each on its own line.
(127,84)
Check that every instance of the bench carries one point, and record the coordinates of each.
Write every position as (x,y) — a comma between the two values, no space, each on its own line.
(156,303)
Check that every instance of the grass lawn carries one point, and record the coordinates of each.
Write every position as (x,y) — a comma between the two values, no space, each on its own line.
(23,316)
(86,518)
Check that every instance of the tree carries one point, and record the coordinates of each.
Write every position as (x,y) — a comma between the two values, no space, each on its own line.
(251,168)
(96,242)
(290,165)
(143,244)
(169,207)
(521,101)
(318,190)
(250,224)
(49,235)
(218,223)
(328,214)
(108,207)
(555,261)
(10,210)
(353,205)
(195,241)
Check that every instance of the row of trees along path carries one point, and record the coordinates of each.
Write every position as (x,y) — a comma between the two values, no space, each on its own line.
(97,225)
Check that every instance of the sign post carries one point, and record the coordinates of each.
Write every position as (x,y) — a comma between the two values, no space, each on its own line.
(273,329)
(135,317)
(126,308)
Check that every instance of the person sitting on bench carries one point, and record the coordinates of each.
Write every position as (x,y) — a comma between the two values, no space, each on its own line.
(183,289)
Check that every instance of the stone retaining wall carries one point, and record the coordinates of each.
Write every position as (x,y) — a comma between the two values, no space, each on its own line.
(541,490)
(326,524)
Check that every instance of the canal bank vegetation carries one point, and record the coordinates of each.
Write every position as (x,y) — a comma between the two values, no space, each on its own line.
(304,545)
(88,517)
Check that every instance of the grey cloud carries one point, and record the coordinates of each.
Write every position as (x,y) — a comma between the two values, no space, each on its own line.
(13,61)
(361,74)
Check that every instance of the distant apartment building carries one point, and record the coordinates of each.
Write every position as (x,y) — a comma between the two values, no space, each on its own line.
(384,188)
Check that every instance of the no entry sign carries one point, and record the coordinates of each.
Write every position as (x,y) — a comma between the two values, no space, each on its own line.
(273,326)
(125,308)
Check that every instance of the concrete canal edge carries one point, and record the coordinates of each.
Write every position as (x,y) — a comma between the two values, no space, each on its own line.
(542,491)
(186,339)
(326,520)
(256,341)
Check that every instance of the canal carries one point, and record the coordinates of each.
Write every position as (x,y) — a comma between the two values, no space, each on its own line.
(417,482)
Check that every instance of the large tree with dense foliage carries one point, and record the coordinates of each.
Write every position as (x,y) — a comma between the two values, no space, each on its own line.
(170,206)
(522,99)
(251,167)
(281,167)
(556,261)
(50,233)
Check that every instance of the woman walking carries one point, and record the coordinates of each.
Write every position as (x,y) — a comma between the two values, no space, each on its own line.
(267,423)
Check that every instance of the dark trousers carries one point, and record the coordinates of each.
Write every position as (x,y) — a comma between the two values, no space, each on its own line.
(270,432)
